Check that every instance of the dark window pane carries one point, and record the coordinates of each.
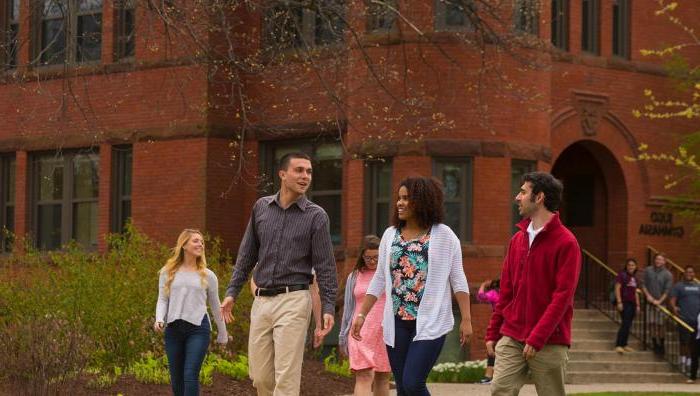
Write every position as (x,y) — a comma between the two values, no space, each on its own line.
(560,24)
(453,216)
(285,26)
(328,167)
(455,14)
(452,180)
(329,21)
(50,179)
(91,6)
(53,42)
(126,34)
(10,218)
(49,222)
(126,212)
(85,223)
(331,204)
(381,16)
(126,177)
(384,187)
(85,176)
(89,37)
(382,217)
(10,188)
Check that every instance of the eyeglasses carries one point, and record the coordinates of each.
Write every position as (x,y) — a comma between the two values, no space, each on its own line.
(370,258)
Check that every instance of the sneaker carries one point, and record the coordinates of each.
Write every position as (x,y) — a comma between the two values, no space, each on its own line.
(619,349)
(628,349)
(485,381)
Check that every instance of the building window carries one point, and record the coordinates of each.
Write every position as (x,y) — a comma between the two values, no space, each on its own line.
(590,26)
(381,16)
(456,177)
(621,28)
(526,14)
(71,31)
(7,202)
(453,14)
(379,196)
(65,192)
(289,24)
(122,160)
(125,19)
(327,182)
(560,24)
(9,29)
(518,169)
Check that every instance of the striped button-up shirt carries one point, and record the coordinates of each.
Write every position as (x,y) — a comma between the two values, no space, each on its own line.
(284,245)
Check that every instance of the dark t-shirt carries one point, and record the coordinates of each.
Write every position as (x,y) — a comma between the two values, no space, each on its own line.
(628,286)
(687,296)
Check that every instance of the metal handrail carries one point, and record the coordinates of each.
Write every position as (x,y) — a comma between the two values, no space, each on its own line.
(663,309)
(657,328)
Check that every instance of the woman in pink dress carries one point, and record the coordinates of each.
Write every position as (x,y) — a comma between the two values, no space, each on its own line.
(368,358)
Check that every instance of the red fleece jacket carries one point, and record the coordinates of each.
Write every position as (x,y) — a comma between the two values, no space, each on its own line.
(537,287)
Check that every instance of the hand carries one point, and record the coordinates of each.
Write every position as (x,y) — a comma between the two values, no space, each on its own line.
(158,326)
(656,302)
(318,337)
(465,331)
(226,309)
(529,352)
(490,348)
(638,308)
(619,306)
(328,322)
(356,327)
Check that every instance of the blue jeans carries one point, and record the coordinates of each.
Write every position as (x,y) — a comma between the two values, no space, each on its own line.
(411,361)
(186,346)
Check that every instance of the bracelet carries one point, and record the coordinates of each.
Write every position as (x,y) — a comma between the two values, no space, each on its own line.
(361,315)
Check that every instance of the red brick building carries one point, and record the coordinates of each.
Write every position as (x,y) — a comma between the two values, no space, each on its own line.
(103,118)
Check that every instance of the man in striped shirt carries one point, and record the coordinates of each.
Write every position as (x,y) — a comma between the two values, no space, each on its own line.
(287,236)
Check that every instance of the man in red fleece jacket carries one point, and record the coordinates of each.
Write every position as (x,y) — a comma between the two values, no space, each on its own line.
(532,320)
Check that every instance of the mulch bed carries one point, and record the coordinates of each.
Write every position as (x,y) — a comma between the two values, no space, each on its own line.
(315,381)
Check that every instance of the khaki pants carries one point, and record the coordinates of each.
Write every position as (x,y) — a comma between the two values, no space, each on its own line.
(278,327)
(548,369)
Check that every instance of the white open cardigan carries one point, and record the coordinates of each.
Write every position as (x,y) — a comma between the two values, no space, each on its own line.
(445,276)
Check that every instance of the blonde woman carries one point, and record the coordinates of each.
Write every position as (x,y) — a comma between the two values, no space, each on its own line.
(185,286)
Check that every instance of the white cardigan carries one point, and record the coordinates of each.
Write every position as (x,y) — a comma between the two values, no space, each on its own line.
(444,270)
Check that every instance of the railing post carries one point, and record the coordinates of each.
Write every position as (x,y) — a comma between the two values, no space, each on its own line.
(586,282)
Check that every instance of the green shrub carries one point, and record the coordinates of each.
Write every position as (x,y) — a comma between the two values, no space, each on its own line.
(462,372)
(332,365)
(152,370)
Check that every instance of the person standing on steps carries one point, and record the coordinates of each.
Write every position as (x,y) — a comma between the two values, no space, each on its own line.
(627,303)
(287,237)
(531,326)
(656,285)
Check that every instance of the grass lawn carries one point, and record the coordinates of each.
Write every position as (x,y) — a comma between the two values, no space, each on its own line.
(634,394)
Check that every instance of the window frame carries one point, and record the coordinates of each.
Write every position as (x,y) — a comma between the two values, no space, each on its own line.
(9,34)
(466,217)
(308,32)
(122,156)
(68,200)
(124,42)
(590,27)
(531,25)
(8,173)
(72,36)
(372,171)
(372,19)
(440,15)
(268,167)
(560,25)
(621,29)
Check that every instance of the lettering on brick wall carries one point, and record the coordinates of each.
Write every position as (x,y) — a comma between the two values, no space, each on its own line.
(661,225)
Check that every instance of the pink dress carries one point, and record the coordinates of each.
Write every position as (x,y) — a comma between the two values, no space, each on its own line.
(371,351)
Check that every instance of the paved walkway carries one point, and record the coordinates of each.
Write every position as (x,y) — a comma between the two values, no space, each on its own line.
(529,390)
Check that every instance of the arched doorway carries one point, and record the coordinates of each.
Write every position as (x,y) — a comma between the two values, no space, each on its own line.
(595,199)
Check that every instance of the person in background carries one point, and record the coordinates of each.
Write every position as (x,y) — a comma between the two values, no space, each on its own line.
(685,303)
(627,303)
(489,293)
(656,285)
(368,358)
(184,288)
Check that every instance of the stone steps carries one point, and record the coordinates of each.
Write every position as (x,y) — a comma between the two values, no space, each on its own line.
(615,367)
(607,377)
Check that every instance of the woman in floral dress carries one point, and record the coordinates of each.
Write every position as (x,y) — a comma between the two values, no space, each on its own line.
(419,269)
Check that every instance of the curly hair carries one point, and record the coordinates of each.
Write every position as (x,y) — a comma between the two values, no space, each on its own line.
(426,199)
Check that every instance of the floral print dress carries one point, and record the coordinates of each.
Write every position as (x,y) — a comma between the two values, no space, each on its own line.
(409,272)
